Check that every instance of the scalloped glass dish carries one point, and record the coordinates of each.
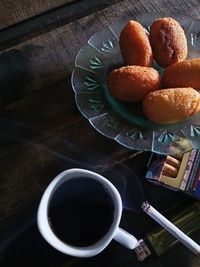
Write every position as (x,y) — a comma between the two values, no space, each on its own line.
(123,122)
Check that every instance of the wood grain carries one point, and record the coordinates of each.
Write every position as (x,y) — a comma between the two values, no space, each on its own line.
(26,173)
(39,116)
(12,12)
(50,20)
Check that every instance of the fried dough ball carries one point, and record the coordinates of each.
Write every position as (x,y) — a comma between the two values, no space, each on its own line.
(168,41)
(132,83)
(171,105)
(134,45)
(183,74)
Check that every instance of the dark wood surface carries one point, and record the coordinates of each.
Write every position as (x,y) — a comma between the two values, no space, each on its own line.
(12,12)
(41,129)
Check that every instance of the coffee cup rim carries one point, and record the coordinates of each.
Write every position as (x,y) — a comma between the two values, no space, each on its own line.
(44,225)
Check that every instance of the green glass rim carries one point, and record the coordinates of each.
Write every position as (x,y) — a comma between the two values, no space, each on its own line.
(120,108)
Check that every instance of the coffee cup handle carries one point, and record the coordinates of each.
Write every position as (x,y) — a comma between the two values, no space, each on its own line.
(126,239)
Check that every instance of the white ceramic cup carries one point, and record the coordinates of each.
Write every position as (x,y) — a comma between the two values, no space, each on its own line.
(114,231)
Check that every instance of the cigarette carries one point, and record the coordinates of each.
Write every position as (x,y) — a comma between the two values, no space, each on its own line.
(171,228)
(173,161)
(170,171)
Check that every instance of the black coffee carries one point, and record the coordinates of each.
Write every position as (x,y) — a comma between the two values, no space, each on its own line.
(81,212)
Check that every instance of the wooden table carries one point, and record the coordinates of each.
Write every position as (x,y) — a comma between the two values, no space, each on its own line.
(41,130)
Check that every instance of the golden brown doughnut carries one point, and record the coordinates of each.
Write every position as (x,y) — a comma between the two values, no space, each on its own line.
(172,105)
(183,74)
(134,45)
(168,41)
(132,83)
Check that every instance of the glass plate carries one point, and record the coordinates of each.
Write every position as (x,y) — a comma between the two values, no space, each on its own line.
(110,117)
